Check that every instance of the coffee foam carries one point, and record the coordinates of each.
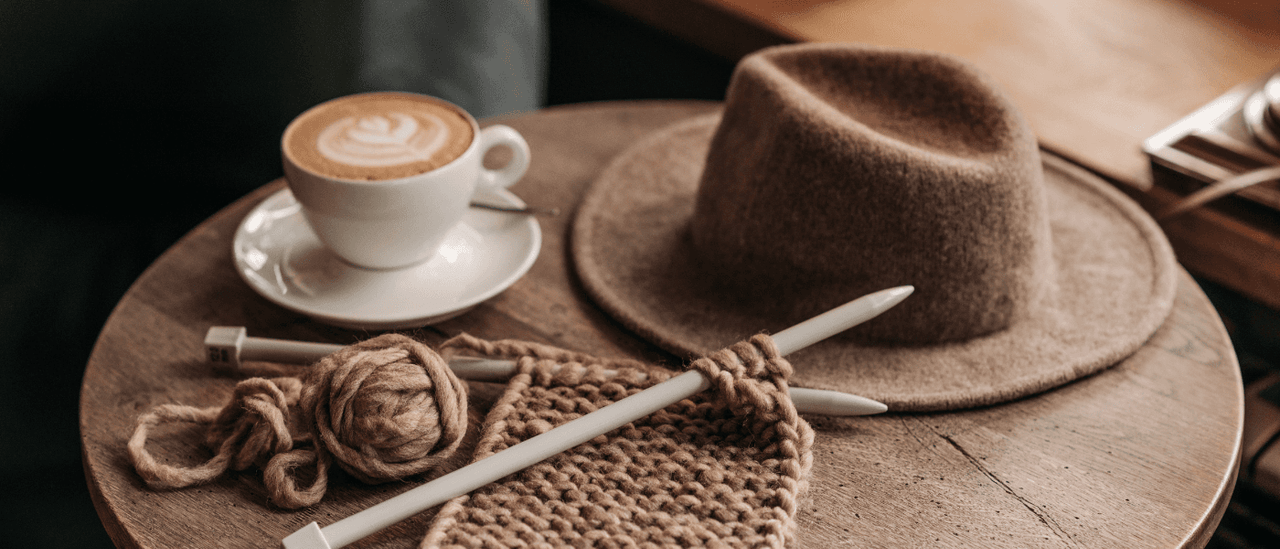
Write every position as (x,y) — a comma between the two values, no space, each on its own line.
(378,136)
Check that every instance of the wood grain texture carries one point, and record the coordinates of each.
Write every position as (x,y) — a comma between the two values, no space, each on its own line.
(1095,78)
(1142,455)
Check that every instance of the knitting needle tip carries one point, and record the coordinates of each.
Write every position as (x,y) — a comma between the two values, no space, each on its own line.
(837,404)
(839,319)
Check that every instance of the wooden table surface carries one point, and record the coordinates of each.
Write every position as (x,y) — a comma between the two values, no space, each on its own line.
(1095,78)
(1141,455)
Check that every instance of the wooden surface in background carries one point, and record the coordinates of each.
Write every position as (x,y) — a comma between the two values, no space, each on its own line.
(1141,455)
(1095,78)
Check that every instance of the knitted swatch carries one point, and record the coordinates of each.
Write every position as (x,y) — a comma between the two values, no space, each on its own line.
(724,468)
(383,409)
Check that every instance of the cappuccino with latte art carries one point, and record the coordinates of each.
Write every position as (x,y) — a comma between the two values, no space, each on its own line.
(383,177)
(378,136)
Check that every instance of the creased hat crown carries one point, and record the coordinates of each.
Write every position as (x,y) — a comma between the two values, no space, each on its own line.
(840,171)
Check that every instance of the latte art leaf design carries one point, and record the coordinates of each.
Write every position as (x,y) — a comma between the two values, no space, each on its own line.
(378,141)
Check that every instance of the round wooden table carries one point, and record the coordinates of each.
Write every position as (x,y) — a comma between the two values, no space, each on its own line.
(1142,455)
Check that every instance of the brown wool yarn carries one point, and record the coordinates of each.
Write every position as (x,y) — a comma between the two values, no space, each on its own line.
(383,409)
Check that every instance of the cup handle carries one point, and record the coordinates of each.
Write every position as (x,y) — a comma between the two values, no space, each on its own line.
(505,176)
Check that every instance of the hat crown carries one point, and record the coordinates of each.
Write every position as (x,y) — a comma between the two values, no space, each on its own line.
(837,171)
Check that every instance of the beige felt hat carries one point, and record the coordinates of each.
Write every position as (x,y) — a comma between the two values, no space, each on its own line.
(838,170)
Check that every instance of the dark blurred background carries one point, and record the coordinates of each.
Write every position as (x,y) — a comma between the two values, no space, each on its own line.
(125,123)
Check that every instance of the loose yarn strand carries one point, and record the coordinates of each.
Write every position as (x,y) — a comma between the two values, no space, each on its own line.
(254,425)
(281,484)
(161,476)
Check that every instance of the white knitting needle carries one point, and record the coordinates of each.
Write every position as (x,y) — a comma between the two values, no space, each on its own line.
(578,431)
(231,345)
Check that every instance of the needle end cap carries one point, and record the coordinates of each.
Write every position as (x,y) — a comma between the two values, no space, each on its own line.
(223,344)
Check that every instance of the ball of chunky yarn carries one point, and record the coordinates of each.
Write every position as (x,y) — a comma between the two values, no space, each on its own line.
(385,408)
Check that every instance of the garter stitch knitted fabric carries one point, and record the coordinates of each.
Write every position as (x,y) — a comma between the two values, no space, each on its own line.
(724,468)
(383,409)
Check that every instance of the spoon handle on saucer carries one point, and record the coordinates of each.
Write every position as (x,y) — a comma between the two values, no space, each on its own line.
(516,209)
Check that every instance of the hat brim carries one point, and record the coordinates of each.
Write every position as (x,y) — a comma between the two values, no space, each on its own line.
(1116,277)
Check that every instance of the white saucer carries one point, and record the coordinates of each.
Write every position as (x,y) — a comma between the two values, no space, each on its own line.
(279,256)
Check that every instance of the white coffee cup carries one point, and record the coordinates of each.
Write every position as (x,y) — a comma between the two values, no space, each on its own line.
(393,222)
